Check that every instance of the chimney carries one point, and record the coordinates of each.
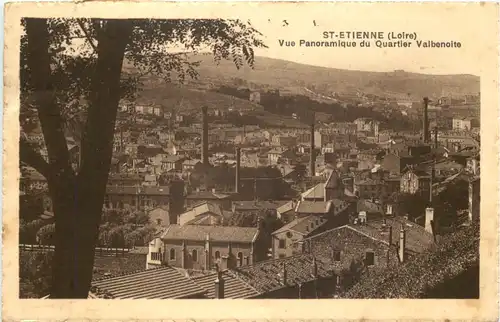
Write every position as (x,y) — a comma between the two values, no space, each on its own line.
(426,120)
(435,138)
(176,200)
(204,136)
(312,160)
(314,268)
(283,274)
(237,175)
(402,244)
(429,220)
(219,285)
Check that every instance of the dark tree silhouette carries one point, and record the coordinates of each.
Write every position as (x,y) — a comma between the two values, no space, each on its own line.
(77,88)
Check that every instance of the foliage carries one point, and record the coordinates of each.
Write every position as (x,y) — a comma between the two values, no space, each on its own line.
(455,254)
(46,234)
(35,274)
(28,231)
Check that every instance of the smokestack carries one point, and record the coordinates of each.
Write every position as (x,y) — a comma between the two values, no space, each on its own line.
(176,200)
(426,120)
(219,285)
(204,136)
(435,138)
(237,174)
(312,161)
(402,244)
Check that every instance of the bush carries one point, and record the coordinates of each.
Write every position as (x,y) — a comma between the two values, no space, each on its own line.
(35,273)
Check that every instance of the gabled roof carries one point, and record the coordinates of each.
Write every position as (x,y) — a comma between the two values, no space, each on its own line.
(259,205)
(289,206)
(207,195)
(302,225)
(203,208)
(159,283)
(316,192)
(265,276)
(215,233)
(234,287)
(313,207)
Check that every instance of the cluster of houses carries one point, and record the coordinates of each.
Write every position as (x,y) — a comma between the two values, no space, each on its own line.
(341,217)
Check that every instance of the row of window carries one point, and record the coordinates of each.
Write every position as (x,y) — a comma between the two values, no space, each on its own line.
(194,256)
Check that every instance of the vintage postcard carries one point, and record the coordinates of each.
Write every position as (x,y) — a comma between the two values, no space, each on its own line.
(250,161)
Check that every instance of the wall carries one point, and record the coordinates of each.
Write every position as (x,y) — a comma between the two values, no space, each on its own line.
(199,246)
(291,239)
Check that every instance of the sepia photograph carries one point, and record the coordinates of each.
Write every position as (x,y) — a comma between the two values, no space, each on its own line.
(211,158)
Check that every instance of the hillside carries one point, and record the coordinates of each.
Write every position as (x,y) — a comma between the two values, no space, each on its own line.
(293,77)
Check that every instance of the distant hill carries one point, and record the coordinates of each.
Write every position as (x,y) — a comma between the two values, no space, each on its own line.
(295,78)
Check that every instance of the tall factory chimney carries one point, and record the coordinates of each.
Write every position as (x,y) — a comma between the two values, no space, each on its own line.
(204,136)
(426,120)
(237,173)
(312,160)
(436,138)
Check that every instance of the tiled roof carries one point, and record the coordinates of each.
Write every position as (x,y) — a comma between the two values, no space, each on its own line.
(286,207)
(316,192)
(265,276)
(158,283)
(204,208)
(368,206)
(216,233)
(258,205)
(417,238)
(142,190)
(313,207)
(234,287)
(303,225)
(206,195)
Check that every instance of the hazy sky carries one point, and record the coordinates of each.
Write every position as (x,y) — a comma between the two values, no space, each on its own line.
(429,22)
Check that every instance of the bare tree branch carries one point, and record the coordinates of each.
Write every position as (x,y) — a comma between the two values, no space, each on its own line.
(32,158)
(87,35)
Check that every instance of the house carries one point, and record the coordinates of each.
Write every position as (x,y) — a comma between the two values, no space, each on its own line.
(220,199)
(300,276)
(275,155)
(367,125)
(465,123)
(415,181)
(173,163)
(147,197)
(159,283)
(205,213)
(284,140)
(316,193)
(191,165)
(200,247)
(252,207)
(369,243)
(287,240)
(286,212)
(159,216)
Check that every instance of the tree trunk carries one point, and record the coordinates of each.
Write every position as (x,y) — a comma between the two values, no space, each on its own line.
(77,201)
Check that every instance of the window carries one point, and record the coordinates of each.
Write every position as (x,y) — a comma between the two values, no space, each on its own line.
(282,243)
(289,234)
(158,221)
(217,255)
(172,254)
(240,259)
(336,255)
(369,258)
(194,255)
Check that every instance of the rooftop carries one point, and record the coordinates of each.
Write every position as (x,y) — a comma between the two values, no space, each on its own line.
(265,276)
(313,207)
(159,283)
(215,233)
(136,190)
(234,287)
